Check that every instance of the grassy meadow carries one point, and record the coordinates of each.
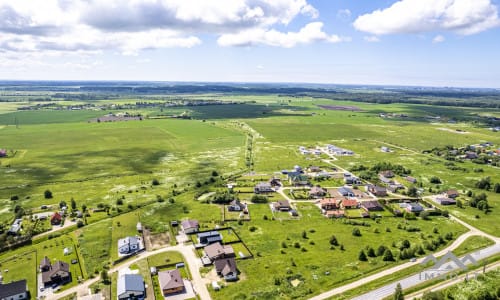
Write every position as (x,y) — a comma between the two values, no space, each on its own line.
(114,164)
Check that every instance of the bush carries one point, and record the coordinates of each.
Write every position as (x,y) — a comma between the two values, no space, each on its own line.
(356,232)
(47,194)
(388,255)
(79,224)
(259,199)
(155,182)
(252,228)
(435,180)
(362,256)
(334,241)
(14,198)
(119,202)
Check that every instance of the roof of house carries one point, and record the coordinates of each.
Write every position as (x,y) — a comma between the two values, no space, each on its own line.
(190,224)
(216,249)
(208,234)
(335,213)
(345,190)
(225,266)
(263,185)
(330,201)
(282,203)
(129,240)
(57,267)
(12,288)
(370,204)
(349,202)
(378,188)
(170,279)
(317,190)
(387,173)
(130,282)
(452,192)
(56,216)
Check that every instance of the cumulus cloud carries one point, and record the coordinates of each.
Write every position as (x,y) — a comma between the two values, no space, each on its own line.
(344,14)
(463,17)
(130,26)
(312,32)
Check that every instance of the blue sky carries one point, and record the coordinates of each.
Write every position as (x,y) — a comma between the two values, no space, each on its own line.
(406,42)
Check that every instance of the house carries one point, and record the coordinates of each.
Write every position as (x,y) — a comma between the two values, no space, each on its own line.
(452,194)
(263,188)
(393,188)
(57,273)
(317,192)
(298,179)
(346,192)
(352,180)
(56,219)
(236,205)
(226,268)
(130,286)
(282,205)
(314,169)
(171,282)
(15,227)
(386,174)
(384,179)
(471,155)
(329,203)
(128,245)
(349,203)
(190,226)
(414,207)
(323,174)
(209,237)
(446,201)
(275,182)
(335,214)
(378,191)
(411,179)
(16,290)
(216,251)
(371,205)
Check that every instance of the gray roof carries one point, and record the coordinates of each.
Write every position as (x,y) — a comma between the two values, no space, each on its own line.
(170,279)
(190,224)
(129,240)
(12,289)
(130,282)
(209,234)
(345,190)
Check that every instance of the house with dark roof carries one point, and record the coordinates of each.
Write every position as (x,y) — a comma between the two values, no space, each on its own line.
(16,290)
(263,188)
(209,237)
(56,219)
(236,205)
(129,245)
(378,191)
(411,179)
(130,287)
(190,226)
(226,268)
(346,192)
(446,201)
(57,273)
(414,207)
(216,251)
(15,227)
(282,205)
(298,179)
(171,282)
(371,205)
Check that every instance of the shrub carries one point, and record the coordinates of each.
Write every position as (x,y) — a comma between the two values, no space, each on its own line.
(155,182)
(356,232)
(259,199)
(47,194)
(14,198)
(252,228)
(362,256)
(334,241)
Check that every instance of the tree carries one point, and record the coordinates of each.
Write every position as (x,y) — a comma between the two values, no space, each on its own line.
(484,183)
(412,191)
(405,244)
(435,180)
(334,241)
(371,252)
(362,256)
(215,174)
(47,194)
(381,250)
(304,234)
(79,223)
(155,182)
(388,255)
(62,204)
(398,293)
(105,277)
(356,232)
(496,188)
(73,204)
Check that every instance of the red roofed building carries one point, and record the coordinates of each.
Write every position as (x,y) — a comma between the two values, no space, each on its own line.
(56,219)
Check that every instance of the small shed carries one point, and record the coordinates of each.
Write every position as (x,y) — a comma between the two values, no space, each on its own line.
(139,227)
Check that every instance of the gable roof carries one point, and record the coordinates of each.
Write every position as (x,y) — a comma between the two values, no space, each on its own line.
(45,262)
(59,268)
(190,224)
(225,266)
(56,216)
(216,249)
(349,202)
(170,279)
(12,288)
(130,282)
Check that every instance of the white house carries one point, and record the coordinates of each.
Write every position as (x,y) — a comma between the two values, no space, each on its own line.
(130,286)
(127,245)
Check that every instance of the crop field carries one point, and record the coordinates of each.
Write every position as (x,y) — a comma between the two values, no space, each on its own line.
(155,170)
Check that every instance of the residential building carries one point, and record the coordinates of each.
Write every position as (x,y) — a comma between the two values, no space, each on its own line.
(226,268)
(57,273)
(190,226)
(282,205)
(216,251)
(129,245)
(56,219)
(317,192)
(16,290)
(263,188)
(130,287)
(209,237)
(371,205)
(171,282)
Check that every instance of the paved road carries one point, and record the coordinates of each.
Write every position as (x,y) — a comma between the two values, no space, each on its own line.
(187,252)
(419,278)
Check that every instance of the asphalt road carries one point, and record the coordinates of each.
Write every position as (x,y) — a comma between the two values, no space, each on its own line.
(416,279)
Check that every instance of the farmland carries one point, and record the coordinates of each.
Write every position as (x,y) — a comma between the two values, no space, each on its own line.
(155,169)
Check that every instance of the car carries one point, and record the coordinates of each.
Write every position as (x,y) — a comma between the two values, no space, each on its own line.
(413,259)
(54,286)
(42,289)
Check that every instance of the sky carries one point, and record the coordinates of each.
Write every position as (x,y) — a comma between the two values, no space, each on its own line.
(453,43)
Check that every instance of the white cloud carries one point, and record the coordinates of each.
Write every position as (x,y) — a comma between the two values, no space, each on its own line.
(311,32)
(344,14)
(463,17)
(438,39)
(371,39)
(129,26)
(260,67)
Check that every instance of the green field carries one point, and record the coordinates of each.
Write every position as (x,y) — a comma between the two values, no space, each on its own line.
(154,170)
